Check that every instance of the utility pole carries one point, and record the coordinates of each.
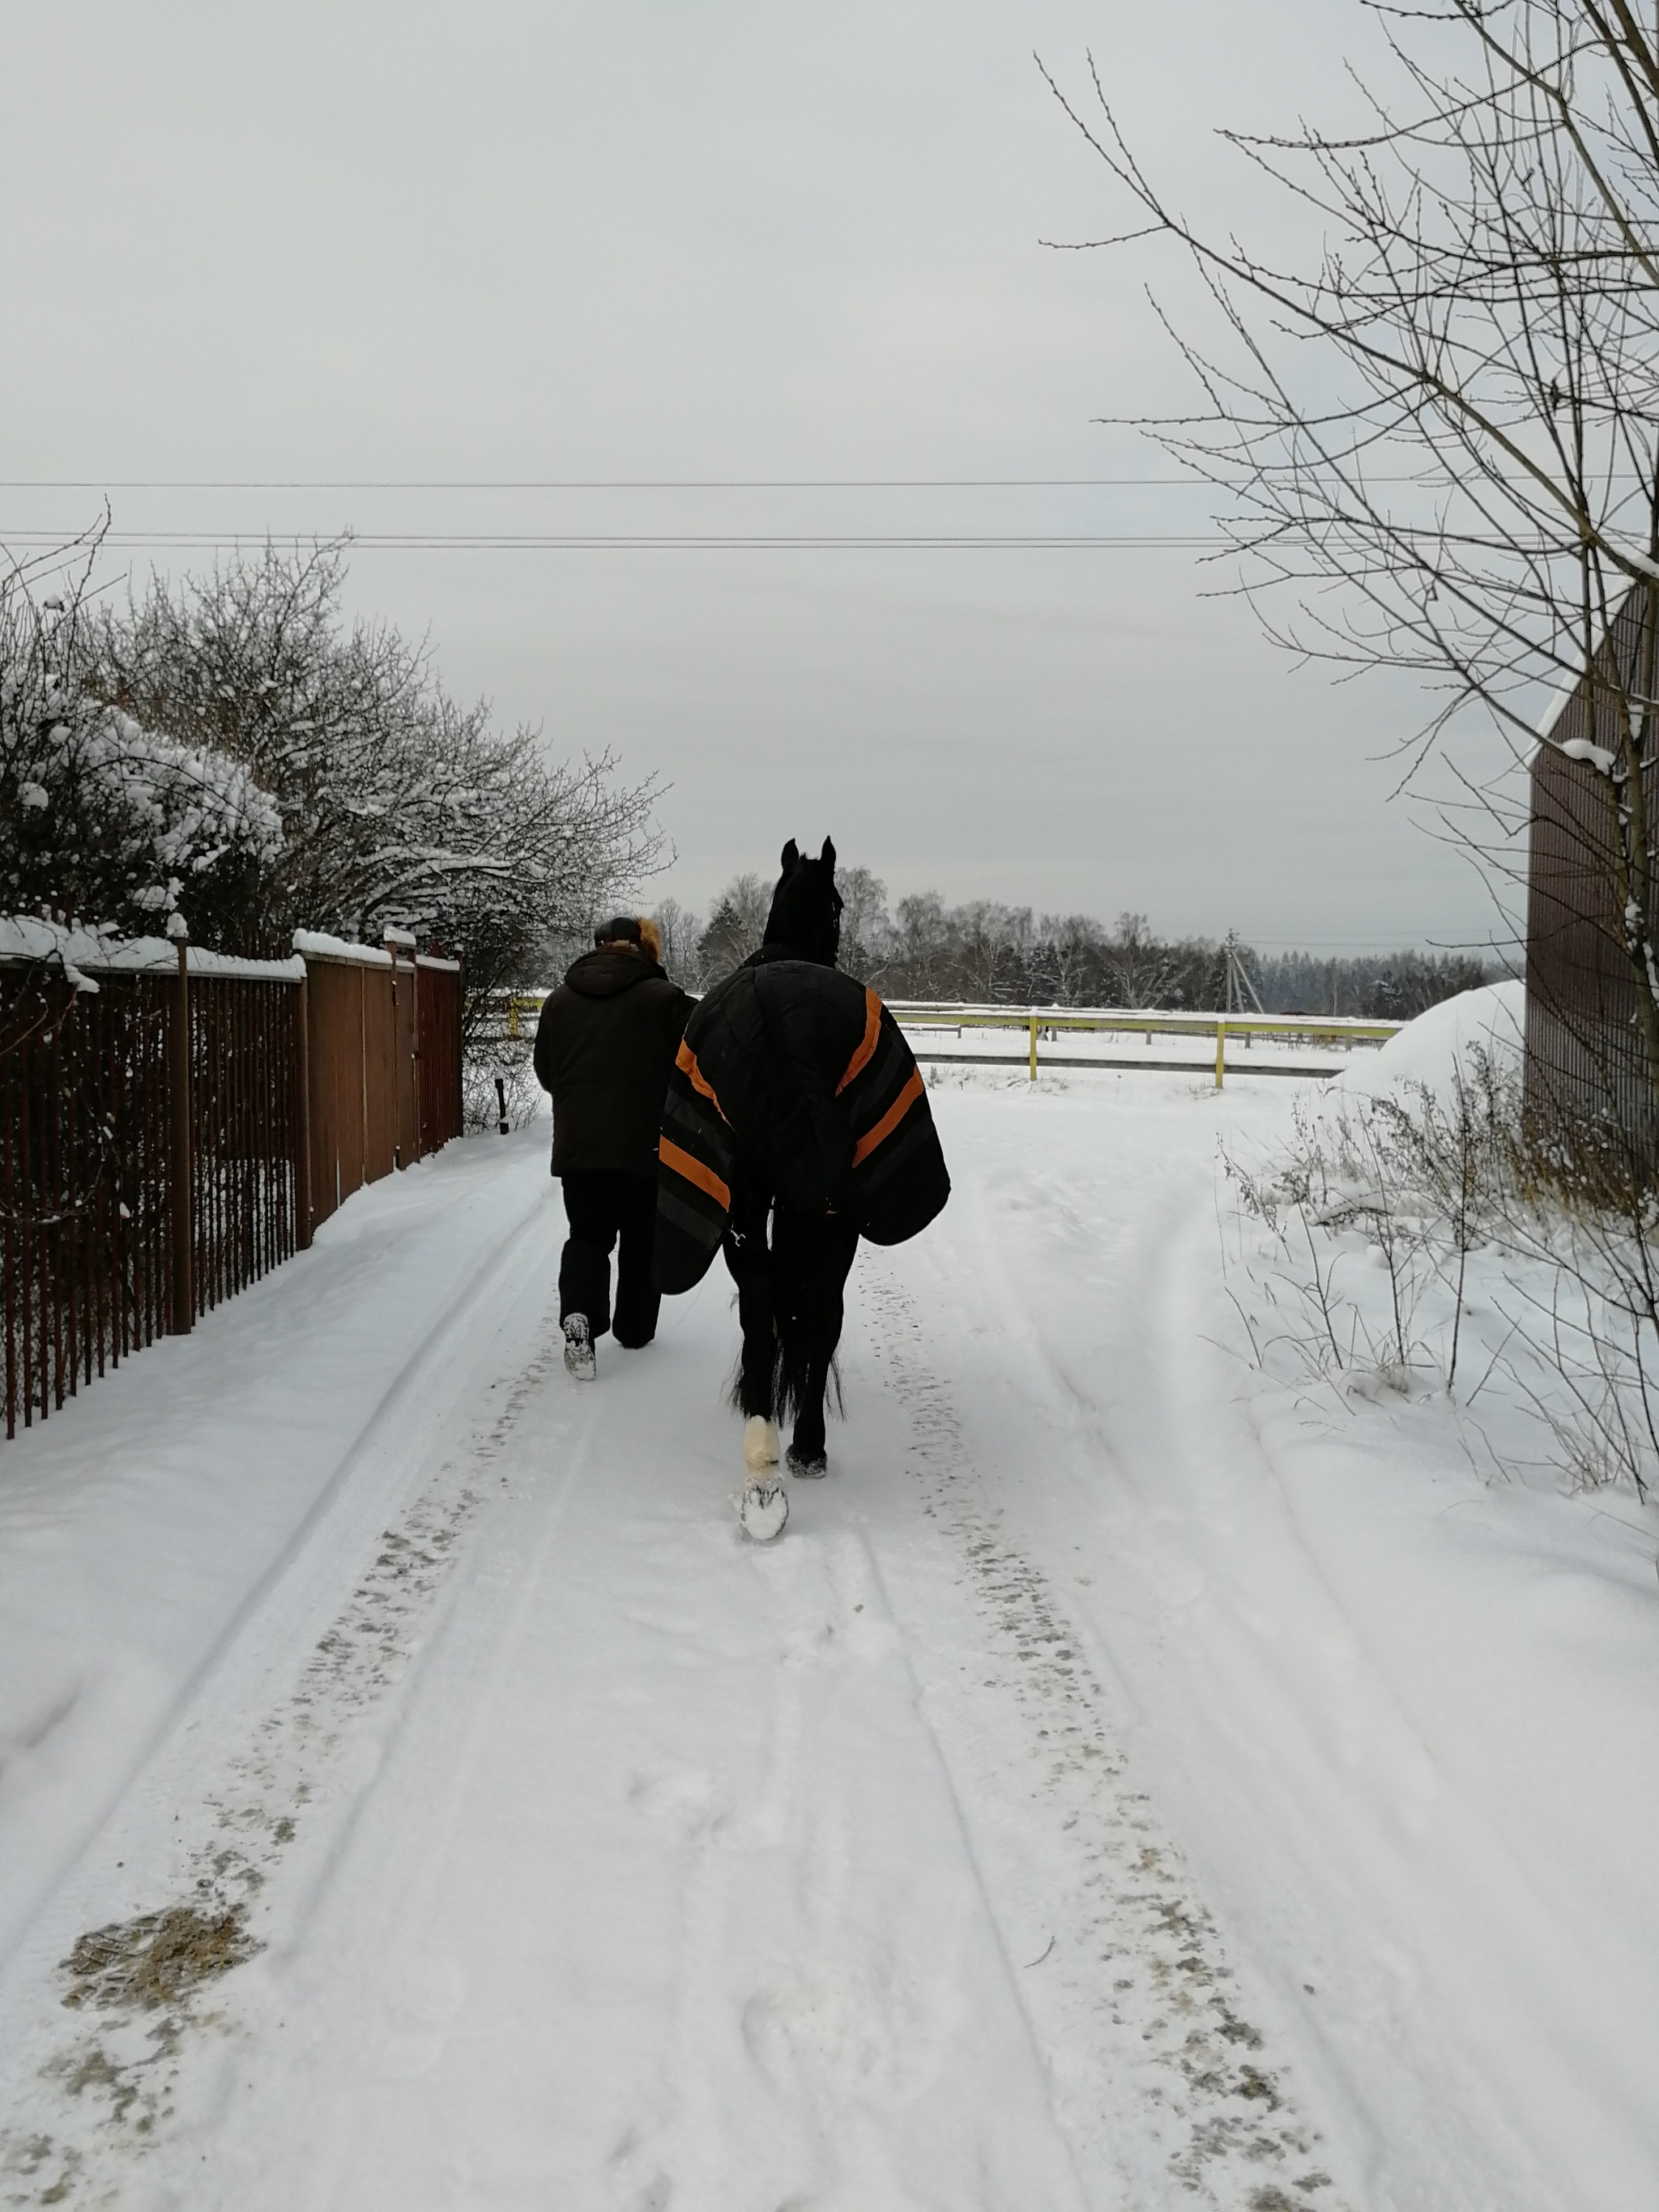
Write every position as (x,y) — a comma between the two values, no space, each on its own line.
(1242,996)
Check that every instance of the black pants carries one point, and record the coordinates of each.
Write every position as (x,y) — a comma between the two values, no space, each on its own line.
(790,1296)
(601,1205)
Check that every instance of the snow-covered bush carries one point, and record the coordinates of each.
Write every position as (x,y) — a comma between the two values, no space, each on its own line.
(99,815)
(1400,1187)
(1425,1235)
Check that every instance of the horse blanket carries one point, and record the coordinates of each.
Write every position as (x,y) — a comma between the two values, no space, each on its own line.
(795,1073)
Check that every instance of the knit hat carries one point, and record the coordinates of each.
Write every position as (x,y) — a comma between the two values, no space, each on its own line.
(623,929)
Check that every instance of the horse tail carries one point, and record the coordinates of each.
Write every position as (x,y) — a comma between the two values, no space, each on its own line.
(792,1366)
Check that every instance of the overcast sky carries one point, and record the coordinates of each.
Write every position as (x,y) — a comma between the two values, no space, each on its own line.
(410,245)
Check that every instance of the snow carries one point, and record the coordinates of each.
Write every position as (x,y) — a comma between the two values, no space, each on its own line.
(318,945)
(22,937)
(1129,1781)
(1580,748)
(1440,1048)
(75,948)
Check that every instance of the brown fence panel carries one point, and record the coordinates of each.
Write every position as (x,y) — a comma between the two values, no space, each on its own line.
(440,1062)
(367,1053)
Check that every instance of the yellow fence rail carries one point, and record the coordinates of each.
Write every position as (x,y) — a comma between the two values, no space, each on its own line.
(1038,1023)
(520,1010)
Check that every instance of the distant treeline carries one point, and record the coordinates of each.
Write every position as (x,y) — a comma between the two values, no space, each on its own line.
(985,953)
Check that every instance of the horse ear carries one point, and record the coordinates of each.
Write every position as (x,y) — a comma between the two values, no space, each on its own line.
(827,857)
(791,853)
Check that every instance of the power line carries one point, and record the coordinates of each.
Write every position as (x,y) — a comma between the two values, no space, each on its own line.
(600,542)
(587,484)
(1182,480)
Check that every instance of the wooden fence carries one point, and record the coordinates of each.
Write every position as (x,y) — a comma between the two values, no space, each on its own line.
(173,1125)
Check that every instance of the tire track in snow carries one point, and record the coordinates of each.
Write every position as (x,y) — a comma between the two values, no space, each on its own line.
(1160,2080)
(417,1397)
(101,2095)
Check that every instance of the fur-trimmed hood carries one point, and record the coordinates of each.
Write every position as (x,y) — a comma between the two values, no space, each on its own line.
(611,971)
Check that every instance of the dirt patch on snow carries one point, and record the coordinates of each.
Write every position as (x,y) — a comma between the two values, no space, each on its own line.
(158,1959)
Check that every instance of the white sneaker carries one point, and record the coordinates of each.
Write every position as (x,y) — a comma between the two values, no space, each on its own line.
(578,1349)
(760,1443)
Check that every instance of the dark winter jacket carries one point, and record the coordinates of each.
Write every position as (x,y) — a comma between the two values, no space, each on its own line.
(604,1048)
(792,1071)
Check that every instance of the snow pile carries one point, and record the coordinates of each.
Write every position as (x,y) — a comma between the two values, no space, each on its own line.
(1442,1047)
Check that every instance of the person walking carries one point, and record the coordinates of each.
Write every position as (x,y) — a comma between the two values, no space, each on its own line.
(605,1049)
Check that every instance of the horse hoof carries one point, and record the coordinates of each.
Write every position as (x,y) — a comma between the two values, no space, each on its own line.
(811,1467)
(760,1442)
(763,1511)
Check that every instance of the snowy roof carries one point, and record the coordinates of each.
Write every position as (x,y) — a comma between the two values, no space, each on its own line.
(1560,699)
(1567,691)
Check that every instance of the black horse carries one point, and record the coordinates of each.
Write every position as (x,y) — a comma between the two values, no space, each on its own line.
(795,1121)
(791,1263)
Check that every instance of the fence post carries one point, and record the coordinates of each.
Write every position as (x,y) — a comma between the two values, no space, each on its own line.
(405,1074)
(415,1048)
(1034,1044)
(1220,1050)
(302,1123)
(179,1211)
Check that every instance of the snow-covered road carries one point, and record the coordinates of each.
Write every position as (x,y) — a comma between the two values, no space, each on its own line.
(416,1793)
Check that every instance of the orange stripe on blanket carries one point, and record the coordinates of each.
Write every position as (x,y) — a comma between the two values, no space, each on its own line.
(686,1060)
(890,1120)
(867,1043)
(685,1164)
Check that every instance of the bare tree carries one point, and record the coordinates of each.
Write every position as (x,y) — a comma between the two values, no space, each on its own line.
(867,931)
(1139,970)
(1439,440)
(994,942)
(681,931)
(397,805)
(737,923)
(1067,958)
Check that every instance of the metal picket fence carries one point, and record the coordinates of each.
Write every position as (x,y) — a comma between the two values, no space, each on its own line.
(174,1124)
